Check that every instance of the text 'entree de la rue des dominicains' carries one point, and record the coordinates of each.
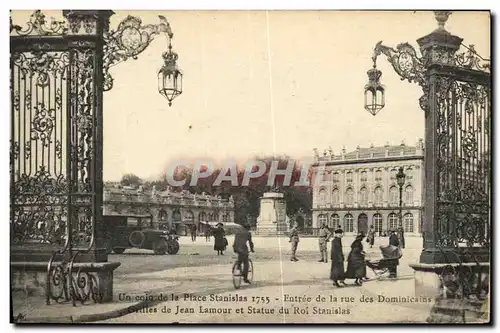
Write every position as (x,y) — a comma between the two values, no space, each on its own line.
(261,305)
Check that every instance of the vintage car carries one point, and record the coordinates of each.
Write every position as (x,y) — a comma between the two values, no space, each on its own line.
(123,232)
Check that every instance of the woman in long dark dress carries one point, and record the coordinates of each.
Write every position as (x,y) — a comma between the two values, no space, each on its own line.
(219,239)
(337,256)
(356,266)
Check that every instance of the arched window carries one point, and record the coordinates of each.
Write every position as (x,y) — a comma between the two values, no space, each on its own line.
(188,216)
(363,197)
(378,196)
(409,195)
(176,216)
(322,218)
(348,223)
(393,221)
(394,172)
(349,194)
(394,196)
(162,215)
(377,222)
(226,217)
(408,222)
(378,175)
(335,219)
(322,197)
(203,216)
(335,198)
(215,216)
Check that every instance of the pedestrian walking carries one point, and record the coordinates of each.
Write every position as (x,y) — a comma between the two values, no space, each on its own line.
(220,241)
(394,241)
(193,230)
(356,266)
(401,237)
(370,239)
(294,239)
(324,237)
(208,231)
(337,256)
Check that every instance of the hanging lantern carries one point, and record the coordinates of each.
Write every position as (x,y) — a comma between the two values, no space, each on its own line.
(170,77)
(374,92)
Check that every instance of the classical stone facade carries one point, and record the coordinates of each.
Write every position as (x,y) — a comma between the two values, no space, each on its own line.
(168,209)
(359,188)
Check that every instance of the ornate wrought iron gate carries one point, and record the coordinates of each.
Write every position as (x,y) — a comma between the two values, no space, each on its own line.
(56,146)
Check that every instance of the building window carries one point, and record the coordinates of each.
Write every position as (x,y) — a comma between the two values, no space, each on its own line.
(377,222)
(364,176)
(322,219)
(363,197)
(349,197)
(394,196)
(409,173)
(335,198)
(378,175)
(322,197)
(335,221)
(378,196)
(393,221)
(394,172)
(203,217)
(348,223)
(226,217)
(189,217)
(348,177)
(336,177)
(409,195)
(408,222)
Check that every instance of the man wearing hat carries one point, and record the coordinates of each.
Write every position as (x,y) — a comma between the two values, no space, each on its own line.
(220,239)
(294,239)
(324,237)
(337,256)
(241,238)
(393,241)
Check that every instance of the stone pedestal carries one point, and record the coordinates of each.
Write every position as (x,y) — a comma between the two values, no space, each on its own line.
(460,291)
(272,216)
(31,278)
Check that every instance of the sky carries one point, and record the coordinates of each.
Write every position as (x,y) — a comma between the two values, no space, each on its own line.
(263,83)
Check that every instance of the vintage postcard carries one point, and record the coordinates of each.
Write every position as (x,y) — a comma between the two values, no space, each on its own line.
(250,166)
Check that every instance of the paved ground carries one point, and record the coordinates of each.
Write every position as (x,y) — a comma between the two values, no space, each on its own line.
(198,271)
(206,277)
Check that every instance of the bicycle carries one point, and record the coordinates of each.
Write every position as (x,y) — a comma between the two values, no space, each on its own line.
(238,275)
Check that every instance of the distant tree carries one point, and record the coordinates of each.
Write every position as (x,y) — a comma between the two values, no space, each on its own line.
(130,180)
(247,198)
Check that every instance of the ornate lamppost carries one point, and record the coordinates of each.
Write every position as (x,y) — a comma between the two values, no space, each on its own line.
(400,177)
(58,73)
(456,101)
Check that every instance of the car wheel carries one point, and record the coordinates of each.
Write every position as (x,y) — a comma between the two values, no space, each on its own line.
(118,250)
(160,247)
(136,238)
(174,247)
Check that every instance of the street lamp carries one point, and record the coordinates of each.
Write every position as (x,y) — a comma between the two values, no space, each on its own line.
(169,76)
(400,177)
(374,91)
(456,87)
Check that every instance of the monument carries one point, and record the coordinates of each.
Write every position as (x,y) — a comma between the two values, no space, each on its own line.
(272,216)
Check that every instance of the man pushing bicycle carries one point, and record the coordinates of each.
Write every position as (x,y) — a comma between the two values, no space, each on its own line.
(240,247)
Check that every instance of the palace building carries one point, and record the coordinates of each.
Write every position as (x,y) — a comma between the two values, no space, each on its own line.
(167,209)
(359,188)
